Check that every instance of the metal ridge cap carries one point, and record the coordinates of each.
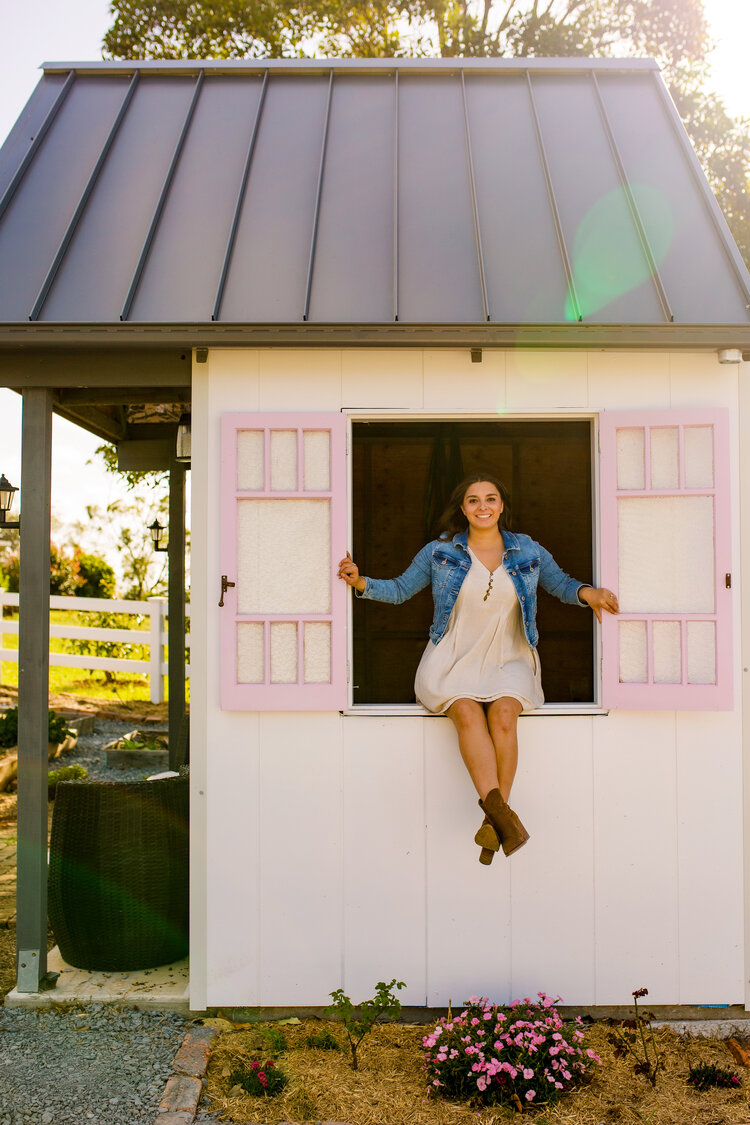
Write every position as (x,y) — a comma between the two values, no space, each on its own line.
(254,66)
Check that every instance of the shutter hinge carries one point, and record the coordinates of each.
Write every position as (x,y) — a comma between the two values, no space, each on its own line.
(728,581)
(225,584)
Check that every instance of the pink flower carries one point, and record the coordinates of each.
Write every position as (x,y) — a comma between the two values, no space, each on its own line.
(530,1094)
(528,1074)
(262,1078)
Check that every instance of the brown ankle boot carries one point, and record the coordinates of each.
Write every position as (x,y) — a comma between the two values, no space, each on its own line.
(488,840)
(512,833)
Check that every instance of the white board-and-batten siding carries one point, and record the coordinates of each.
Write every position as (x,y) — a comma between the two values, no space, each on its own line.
(336,850)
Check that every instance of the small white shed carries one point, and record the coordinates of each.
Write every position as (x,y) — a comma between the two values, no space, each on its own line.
(387,272)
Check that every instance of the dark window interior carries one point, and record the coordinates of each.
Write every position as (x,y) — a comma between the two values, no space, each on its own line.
(403,473)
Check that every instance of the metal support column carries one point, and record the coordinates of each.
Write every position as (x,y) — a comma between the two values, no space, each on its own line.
(176,612)
(33,689)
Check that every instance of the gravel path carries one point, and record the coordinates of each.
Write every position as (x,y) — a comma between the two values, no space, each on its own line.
(90,753)
(94,1064)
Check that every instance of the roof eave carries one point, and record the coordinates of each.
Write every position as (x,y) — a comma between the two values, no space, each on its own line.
(562,336)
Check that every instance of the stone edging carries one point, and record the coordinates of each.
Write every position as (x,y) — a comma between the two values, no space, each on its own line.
(183,1090)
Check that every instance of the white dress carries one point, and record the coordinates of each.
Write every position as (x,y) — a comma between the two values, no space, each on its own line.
(483,653)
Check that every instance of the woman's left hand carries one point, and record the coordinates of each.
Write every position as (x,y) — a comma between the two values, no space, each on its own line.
(599,599)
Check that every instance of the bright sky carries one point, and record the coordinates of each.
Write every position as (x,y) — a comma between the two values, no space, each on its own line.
(37,31)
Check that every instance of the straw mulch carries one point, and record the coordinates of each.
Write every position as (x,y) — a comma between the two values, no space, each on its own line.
(389,1087)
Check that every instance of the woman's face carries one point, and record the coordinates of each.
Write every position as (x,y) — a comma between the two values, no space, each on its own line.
(482,505)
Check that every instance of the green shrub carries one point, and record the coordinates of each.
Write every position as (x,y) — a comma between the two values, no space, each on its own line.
(97,578)
(323,1041)
(64,574)
(275,1039)
(384,1004)
(57,730)
(66,773)
(706,1075)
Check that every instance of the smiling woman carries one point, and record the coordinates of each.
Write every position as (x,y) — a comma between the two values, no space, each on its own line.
(481,667)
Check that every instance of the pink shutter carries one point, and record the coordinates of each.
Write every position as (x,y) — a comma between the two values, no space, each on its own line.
(666,550)
(283,529)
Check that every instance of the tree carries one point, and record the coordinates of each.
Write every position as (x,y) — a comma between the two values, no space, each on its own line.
(64,571)
(674,32)
(96,577)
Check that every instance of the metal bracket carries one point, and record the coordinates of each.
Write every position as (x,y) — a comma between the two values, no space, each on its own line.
(28,970)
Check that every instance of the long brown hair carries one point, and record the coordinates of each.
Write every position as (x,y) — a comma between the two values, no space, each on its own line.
(453,520)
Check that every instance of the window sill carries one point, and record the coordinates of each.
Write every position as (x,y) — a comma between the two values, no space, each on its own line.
(403,710)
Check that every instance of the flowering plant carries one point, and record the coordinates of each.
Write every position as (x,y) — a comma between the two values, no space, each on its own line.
(705,1075)
(522,1055)
(260,1078)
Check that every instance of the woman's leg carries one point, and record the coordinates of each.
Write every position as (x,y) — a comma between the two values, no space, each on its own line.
(502,723)
(476,744)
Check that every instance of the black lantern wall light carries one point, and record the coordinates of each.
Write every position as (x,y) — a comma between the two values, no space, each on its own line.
(156,533)
(7,491)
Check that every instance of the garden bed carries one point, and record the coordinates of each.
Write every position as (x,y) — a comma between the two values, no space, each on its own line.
(390,1083)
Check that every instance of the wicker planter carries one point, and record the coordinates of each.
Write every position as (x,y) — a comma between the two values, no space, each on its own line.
(118,873)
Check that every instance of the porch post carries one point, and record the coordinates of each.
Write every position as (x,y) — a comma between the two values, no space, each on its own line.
(176,613)
(33,689)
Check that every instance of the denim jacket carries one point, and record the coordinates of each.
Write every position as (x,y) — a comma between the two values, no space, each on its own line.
(445,563)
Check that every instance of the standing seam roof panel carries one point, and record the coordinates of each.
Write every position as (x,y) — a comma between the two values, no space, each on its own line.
(96,273)
(268,271)
(525,276)
(25,131)
(181,274)
(353,273)
(41,209)
(438,265)
(611,273)
(675,217)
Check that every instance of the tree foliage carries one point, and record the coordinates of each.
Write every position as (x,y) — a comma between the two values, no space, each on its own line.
(64,571)
(674,32)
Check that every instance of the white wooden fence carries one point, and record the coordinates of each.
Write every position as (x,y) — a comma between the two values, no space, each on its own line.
(155,637)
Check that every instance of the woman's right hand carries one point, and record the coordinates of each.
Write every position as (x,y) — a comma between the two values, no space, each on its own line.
(349,571)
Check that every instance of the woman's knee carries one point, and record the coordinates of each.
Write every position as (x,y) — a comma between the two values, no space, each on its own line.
(466,713)
(502,715)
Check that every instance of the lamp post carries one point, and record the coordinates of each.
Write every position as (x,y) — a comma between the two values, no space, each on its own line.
(7,491)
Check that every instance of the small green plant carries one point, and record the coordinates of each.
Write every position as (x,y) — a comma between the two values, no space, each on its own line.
(262,1079)
(323,1041)
(66,773)
(384,1004)
(639,1043)
(57,729)
(275,1039)
(148,744)
(703,1076)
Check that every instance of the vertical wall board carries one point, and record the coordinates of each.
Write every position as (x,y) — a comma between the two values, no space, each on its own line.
(635,850)
(201,715)
(382,378)
(300,860)
(235,381)
(482,384)
(698,379)
(234,861)
(621,380)
(709,795)
(384,857)
(546,381)
(468,930)
(300,380)
(552,877)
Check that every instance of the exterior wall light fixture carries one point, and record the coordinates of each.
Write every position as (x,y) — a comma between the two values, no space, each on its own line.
(182,447)
(476,355)
(7,491)
(730,355)
(156,533)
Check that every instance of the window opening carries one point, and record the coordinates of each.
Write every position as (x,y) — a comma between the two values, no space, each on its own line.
(403,473)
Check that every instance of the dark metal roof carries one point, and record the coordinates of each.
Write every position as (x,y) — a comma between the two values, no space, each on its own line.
(502,193)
